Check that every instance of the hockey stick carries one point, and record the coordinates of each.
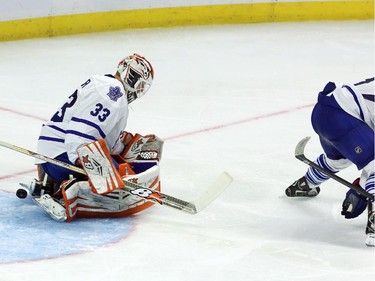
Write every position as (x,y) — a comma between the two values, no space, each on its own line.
(299,154)
(192,207)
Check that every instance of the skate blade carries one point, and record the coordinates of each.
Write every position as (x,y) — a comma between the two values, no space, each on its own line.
(56,212)
(370,240)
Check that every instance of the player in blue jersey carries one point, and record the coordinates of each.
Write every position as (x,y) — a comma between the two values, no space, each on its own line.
(343,117)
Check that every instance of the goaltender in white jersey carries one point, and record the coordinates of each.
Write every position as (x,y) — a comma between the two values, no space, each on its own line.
(97,110)
(89,131)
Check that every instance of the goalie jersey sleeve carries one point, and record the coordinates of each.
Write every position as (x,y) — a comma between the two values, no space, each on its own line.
(98,109)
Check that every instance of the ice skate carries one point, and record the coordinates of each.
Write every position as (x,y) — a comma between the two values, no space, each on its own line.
(300,188)
(37,187)
(370,240)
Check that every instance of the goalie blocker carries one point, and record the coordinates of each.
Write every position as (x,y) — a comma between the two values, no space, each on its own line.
(101,196)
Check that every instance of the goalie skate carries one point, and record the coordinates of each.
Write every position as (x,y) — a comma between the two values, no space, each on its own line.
(53,208)
(37,188)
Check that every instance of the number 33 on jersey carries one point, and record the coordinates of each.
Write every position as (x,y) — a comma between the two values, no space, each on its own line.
(98,109)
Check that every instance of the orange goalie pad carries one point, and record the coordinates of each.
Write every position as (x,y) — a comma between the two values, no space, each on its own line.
(80,202)
(137,207)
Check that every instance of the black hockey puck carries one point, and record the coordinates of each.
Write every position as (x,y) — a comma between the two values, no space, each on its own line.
(21,193)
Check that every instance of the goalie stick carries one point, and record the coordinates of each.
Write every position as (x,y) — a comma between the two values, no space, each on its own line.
(192,207)
(299,154)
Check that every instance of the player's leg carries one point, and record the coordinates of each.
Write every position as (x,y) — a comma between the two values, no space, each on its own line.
(50,177)
(370,228)
(60,174)
(325,117)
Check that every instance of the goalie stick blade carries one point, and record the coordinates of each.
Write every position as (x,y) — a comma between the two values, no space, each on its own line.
(300,155)
(193,207)
(211,193)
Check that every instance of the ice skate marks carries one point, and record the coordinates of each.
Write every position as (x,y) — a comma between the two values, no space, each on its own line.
(28,234)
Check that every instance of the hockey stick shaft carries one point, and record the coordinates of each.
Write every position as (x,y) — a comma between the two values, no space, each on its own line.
(156,197)
(42,157)
(299,154)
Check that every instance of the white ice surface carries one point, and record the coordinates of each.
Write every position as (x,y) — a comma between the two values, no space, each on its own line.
(235,98)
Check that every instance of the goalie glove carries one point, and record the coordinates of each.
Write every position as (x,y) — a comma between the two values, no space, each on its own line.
(147,147)
(126,138)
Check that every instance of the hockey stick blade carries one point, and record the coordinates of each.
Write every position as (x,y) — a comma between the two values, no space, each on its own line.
(300,155)
(211,193)
(192,207)
(132,188)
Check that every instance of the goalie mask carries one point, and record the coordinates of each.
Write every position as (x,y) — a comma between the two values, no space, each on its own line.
(136,75)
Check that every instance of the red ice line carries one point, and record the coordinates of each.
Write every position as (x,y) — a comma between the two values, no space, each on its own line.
(17,174)
(21,113)
(254,118)
(217,127)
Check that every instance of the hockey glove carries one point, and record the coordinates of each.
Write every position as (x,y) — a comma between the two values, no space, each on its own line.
(147,147)
(126,137)
(354,203)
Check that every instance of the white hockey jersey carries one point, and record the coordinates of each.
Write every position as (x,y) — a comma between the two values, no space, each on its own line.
(358,100)
(98,109)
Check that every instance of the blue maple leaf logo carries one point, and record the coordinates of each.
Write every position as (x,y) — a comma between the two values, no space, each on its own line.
(115,93)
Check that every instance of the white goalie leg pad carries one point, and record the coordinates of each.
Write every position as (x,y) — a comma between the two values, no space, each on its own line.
(145,178)
(70,191)
(53,208)
(98,165)
(80,199)
(114,202)
(120,200)
(148,179)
